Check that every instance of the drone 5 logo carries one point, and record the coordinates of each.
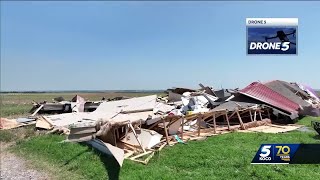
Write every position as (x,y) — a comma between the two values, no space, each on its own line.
(265,153)
(283,45)
(270,45)
(272,40)
(283,152)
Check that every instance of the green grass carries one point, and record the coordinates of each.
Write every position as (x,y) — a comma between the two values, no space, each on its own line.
(225,156)
(12,135)
(307,120)
(14,110)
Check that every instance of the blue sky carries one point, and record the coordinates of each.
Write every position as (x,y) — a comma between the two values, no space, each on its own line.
(147,45)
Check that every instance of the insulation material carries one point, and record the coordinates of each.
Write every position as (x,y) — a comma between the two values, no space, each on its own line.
(8,123)
(174,127)
(77,104)
(148,138)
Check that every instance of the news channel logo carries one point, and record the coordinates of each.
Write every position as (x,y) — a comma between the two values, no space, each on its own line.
(272,36)
(275,154)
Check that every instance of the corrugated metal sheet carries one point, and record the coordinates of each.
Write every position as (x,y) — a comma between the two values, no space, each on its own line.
(279,87)
(262,93)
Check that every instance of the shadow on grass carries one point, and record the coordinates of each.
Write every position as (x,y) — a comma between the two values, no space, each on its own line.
(110,163)
(316,137)
(75,157)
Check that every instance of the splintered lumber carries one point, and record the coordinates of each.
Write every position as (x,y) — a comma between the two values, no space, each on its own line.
(165,131)
(114,137)
(227,119)
(250,115)
(128,154)
(214,123)
(145,161)
(140,155)
(241,123)
(232,114)
(148,158)
(135,134)
(182,122)
(43,123)
(162,146)
(198,120)
(260,115)
(37,110)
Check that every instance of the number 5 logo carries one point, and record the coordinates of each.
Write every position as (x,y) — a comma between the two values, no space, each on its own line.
(265,151)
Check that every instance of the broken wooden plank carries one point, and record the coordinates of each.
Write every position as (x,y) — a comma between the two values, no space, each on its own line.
(214,124)
(140,155)
(240,120)
(37,110)
(227,119)
(165,131)
(250,115)
(135,134)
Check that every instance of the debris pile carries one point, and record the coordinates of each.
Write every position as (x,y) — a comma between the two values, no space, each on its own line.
(60,105)
(136,128)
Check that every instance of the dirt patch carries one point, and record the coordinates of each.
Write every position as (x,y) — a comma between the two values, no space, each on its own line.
(14,167)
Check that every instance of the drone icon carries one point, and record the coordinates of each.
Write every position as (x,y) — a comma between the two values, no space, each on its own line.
(282,36)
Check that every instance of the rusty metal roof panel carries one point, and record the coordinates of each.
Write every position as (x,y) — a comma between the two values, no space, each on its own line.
(262,93)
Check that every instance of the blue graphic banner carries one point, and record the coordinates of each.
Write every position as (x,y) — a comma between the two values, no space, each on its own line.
(272,40)
(287,154)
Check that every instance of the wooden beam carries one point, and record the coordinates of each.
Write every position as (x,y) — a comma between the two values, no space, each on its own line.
(260,115)
(140,155)
(227,119)
(162,146)
(199,119)
(182,122)
(240,120)
(128,154)
(165,131)
(148,158)
(255,115)
(214,123)
(115,137)
(232,114)
(37,110)
(250,115)
(135,134)
(268,114)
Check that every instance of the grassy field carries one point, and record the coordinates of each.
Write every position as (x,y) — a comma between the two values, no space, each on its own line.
(225,156)
(19,104)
